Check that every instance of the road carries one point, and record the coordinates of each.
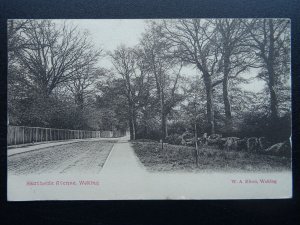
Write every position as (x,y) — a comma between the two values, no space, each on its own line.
(121,175)
(79,157)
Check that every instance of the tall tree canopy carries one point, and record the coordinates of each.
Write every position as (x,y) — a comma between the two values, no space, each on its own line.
(182,75)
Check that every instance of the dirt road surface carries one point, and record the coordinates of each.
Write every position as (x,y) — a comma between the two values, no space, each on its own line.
(80,157)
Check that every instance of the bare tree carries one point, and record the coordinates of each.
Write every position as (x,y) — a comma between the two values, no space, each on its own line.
(15,39)
(232,41)
(53,54)
(84,80)
(15,43)
(271,43)
(195,108)
(193,41)
(124,61)
(146,101)
(165,69)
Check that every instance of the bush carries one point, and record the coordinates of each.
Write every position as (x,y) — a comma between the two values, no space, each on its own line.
(153,134)
(177,127)
(187,135)
(173,139)
(261,125)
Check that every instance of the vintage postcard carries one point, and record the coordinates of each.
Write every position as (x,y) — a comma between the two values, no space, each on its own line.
(117,109)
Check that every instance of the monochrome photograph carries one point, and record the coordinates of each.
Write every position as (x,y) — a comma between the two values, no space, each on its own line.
(111,109)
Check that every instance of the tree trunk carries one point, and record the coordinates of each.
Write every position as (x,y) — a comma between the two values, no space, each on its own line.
(133,125)
(209,103)
(145,124)
(196,144)
(163,118)
(131,131)
(79,100)
(163,126)
(227,106)
(271,74)
(131,116)
(273,95)
(166,127)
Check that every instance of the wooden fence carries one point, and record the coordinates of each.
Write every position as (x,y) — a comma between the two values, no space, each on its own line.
(21,135)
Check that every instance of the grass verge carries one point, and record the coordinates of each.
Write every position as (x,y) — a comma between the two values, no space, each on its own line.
(182,158)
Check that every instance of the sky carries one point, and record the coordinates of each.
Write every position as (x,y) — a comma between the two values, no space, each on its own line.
(108,34)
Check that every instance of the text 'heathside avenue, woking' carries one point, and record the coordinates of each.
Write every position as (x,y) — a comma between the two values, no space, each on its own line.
(63,183)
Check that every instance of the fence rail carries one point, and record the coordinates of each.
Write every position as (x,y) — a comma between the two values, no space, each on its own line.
(21,134)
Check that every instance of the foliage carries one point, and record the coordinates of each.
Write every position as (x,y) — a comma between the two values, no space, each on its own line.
(174,139)
(183,76)
(261,125)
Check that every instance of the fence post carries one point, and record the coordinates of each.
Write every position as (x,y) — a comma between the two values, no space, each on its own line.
(23,134)
(31,135)
(15,135)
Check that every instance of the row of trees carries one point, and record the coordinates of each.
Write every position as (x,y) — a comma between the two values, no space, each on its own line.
(52,67)
(185,74)
(224,52)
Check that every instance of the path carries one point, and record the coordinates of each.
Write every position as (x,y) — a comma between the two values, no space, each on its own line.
(122,160)
(124,177)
